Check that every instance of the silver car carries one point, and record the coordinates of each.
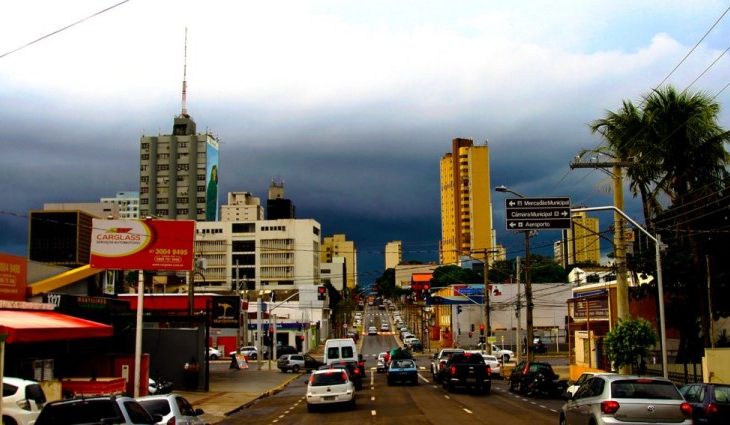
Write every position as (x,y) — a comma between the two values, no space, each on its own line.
(626,400)
(171,406)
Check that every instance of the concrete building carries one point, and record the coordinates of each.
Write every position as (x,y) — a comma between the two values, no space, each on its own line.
(242,206)
(178,177)
(466,206)
(393,254)
(583,244)
(128,203)
(258,255)
(96,209)
(404,272)
(60,237)
(338,246)
(334,272)
(277,206)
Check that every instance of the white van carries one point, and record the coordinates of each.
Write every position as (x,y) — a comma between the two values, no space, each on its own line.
(339,349)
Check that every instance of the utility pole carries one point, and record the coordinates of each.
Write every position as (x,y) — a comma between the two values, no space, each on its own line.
(518,352)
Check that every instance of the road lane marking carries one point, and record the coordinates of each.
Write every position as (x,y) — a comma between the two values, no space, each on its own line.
(467,411)
(372,398)
(373,413)
(447,397)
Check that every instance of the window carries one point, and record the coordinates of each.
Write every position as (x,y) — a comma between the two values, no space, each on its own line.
(163,167)
(333,353)
(328,378)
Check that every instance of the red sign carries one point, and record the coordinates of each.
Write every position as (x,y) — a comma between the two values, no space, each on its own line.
(143,244)
(13,277)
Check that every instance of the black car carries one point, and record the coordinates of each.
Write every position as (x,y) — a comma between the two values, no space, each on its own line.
(710,402)
(525,372)
(353,371)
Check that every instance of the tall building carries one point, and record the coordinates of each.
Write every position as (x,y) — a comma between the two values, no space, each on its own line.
(583,242)
(128,203)
(60,236)
(178,177)
(242,206)
(338,246)
(277,206)
(466,203)
(393,254)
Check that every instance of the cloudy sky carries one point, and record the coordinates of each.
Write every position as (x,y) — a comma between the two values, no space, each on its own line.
(352,104)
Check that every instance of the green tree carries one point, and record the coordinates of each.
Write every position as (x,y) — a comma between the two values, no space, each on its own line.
(628,343)
(448,275)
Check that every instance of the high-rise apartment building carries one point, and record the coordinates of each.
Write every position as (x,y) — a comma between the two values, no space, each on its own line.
(584,242)
(128,203)
(393,254)
(242,206)
(338,246)
(277,206)
(178,172)
(466,203)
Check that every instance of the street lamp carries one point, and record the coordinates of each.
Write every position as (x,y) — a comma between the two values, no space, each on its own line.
(528,282)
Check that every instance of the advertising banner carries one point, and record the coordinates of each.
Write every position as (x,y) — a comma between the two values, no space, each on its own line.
(226,312)
(143,244)
(13,276)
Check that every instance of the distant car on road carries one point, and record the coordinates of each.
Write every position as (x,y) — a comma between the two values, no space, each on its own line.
(214,353)
(250,351)
(384,327)
(372,330)
(381,365)
(402,370)
(174,409)
(297,362)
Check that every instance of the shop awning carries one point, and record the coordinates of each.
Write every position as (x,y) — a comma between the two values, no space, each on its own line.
(37,326)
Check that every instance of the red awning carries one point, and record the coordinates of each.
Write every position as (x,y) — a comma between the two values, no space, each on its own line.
(37,326)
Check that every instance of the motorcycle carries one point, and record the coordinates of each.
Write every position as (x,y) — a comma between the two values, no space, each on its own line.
(542,386)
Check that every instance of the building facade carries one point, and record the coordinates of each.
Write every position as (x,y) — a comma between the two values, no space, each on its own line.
(338,246)
(277,206)
(583,242)
(242,206)
(334,273)
(178,177)
(393,254)
(466,206)
(128,203)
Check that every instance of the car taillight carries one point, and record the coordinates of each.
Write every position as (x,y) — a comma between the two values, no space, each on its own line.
(489,370)
(172,421)
(526,368)
(357,371)
(452,370)
(344,376)
(711,408)
(609,406)
(311,379)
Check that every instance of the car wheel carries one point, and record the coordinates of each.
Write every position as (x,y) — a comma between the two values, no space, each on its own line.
(213,357)
(390,382)
(562,420)
(295,369)
(253,356)
(352,403)
(415,381)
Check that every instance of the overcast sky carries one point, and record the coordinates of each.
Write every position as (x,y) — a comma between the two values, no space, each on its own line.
(352,104)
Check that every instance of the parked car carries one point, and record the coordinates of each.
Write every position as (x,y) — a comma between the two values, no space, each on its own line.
(613,398)
(585,376)
(493,364)
(22,401)
(112,409)
(415,345)
(439,360)
(710,402)
(250,351)
(158,386)
(297,362)
(501,353)
(330,386)
(525,372)
(214,353)
(402,370)
(467,370)
(174,409)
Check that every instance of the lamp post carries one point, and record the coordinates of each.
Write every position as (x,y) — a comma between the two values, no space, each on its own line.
(528,282)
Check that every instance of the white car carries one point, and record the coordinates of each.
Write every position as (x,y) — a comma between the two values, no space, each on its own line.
(384,327)
(504,355)
(409,339)
(372,330)
(493,363)
(381,366)
(214,353)
(174,409)
(249,351)
(22,401)
(330,386)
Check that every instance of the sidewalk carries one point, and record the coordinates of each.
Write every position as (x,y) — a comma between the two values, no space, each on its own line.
(234,389)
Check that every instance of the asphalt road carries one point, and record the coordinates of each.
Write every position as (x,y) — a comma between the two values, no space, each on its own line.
(378,403)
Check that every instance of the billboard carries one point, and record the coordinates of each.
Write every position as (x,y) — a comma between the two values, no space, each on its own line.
(211,181)
(13,277)
(143,244)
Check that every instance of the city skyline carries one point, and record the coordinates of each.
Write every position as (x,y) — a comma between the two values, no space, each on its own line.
(351,104)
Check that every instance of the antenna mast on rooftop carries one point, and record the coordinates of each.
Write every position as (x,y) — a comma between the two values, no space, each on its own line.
(185,76)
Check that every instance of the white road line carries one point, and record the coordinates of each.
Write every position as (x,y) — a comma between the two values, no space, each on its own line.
(372,398)
(543,406)
(553,410)
(467,411)
(447,397)
(373,413)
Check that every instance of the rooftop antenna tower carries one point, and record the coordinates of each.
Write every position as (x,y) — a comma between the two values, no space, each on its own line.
(185,76)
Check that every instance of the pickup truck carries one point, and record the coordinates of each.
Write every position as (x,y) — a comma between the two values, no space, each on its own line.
(439,360)
(504,355)
(467,370)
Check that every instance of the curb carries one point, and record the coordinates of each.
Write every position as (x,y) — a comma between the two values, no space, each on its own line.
(267,393)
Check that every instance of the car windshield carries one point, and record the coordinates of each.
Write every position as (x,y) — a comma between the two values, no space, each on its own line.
(645,388)
(331,377)
(86,411)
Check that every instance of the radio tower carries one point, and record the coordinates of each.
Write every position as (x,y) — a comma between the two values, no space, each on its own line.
(185,82)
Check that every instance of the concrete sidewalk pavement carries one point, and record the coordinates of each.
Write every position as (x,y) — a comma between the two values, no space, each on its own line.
(234,389)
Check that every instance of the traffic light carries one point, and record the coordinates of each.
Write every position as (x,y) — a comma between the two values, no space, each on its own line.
(472,327)
(481,329)
(321,293)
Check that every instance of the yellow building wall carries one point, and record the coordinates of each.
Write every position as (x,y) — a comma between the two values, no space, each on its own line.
(448,212)
(338,246)
(584,240)
(716,365)
(480,200)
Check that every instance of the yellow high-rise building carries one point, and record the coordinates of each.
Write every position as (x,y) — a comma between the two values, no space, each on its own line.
(466,203)
(339,246)
(584,242)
